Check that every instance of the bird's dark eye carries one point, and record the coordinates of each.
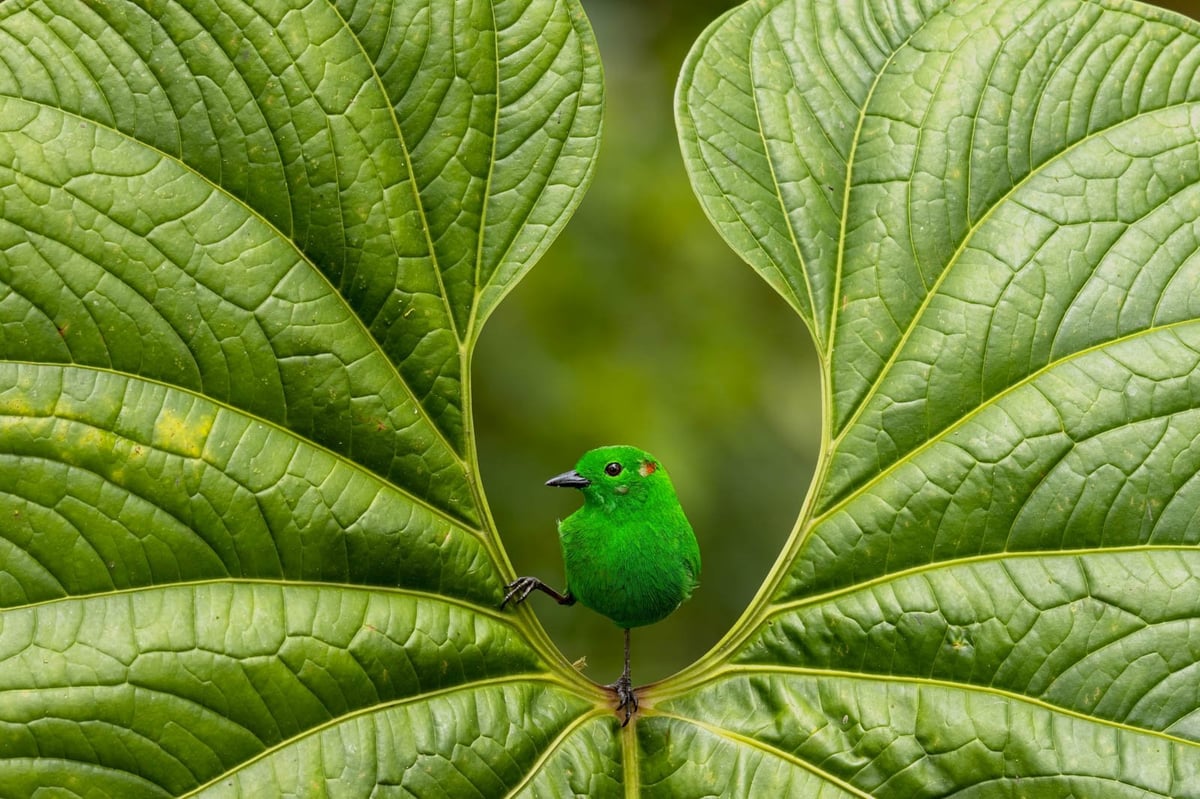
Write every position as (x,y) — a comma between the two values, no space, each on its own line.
(612,469)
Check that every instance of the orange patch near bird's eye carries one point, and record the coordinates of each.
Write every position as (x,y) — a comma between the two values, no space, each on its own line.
(647,468)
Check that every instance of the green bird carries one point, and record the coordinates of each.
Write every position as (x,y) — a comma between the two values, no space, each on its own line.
(629,553)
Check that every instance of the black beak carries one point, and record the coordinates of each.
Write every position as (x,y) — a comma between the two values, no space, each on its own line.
(571,479)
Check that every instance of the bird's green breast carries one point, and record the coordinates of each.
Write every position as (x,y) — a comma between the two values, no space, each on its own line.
(633,568)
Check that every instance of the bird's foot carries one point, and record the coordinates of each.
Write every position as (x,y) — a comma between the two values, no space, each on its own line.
(519,589)
(623,688)
(522,587)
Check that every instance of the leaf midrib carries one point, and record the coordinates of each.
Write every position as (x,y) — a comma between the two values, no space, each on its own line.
(761,746)
(919,314)
(819,334)
(991,402)
(508,679)
(281,583)
(340,458)
(563,736)
(735,670)
(709,668)
(952,563)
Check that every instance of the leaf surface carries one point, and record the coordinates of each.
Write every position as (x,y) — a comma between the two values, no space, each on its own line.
(986,213)
(245,253)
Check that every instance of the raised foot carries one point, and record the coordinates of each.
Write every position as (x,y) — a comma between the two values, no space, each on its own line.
(522,587)
(623,688)
(519,589)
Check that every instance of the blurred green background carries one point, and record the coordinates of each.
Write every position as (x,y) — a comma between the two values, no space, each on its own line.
(640,326)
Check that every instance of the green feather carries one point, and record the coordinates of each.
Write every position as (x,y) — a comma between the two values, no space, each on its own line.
(629,552)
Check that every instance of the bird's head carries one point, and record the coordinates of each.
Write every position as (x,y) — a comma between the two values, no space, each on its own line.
(617,476)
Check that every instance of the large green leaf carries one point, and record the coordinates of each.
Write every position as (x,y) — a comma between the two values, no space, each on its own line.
(245,253)
(988,214)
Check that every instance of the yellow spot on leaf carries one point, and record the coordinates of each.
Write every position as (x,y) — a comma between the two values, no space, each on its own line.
(183,435)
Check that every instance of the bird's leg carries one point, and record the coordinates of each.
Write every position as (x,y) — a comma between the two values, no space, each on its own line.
(522,587)
(624,688)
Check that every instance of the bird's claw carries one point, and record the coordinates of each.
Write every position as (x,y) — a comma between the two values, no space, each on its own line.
(519,590)
(623,688)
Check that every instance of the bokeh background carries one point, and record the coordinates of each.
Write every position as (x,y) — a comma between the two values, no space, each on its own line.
(640,326)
